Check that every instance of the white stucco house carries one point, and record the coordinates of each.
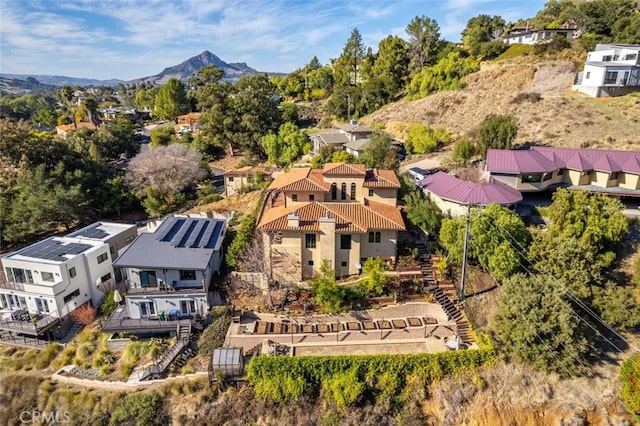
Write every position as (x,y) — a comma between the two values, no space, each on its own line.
(527,35)
(610,70)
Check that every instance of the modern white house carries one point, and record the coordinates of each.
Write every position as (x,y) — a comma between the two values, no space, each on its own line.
(168,271)
(48,280)
(527,35)
(610,70)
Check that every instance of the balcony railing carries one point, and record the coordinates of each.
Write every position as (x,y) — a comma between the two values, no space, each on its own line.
(37,324)
(610,81)
(8,285)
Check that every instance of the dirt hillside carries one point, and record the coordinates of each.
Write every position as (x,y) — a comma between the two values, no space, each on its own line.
(558,117)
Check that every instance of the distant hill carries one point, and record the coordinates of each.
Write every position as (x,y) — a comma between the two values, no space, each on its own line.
(61,80)
(20,86)
(184,70)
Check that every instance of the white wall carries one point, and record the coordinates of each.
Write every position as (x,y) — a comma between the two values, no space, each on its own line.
(166,303)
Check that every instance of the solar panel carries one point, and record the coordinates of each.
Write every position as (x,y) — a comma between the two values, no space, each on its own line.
(54,250)
(185,236)
(214,237)
(173,230)
(94,233)
(195,232)
(206,224)
(207,234)
(181,233)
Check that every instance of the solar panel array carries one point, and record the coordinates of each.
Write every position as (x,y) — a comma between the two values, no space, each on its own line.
(192,232)
(94,233)
(54,250)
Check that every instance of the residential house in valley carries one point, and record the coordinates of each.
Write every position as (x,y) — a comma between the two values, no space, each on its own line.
(64,129)
(238,180)
(342,135)
(453,196)
(342,213)
(539,168)
(168,273)
(48,280)
(610,70)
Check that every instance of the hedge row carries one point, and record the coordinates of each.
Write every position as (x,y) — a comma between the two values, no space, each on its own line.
(283,379)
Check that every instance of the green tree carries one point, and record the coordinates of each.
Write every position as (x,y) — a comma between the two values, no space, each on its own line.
(617,305)
(630,378)
(447,74)
(171,100)
(422,138)
(139,408)
(346,71)
(286,146)
(496,235)
(163,135)
(374,270)
(392,62)
(342,157)
(145,98)
(497,132)
(481,29)
(375,153)
(424,34)
(325,155)
(463,151)
(423,212)
(67,95)
(537,324)
(328,293)
(116,139)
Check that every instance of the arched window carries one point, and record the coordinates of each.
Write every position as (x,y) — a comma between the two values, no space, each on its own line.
(353,191)
(343,189)
(334,191)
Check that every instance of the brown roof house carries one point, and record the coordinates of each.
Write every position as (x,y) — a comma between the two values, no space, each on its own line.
(342,213)
(240,180)
(64,129)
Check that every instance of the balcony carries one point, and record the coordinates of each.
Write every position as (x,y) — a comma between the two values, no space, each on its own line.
(8,285)
(50,289)
(32,324)
(119,321)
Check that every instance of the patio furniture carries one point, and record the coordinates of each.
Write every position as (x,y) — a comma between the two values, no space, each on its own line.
(161,315)
(20,315)
(174,315)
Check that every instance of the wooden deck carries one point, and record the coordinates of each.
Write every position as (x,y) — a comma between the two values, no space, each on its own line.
(120,322)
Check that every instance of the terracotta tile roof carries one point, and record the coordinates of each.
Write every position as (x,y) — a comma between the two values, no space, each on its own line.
(300,179)
(342,169)
(80,125)
(350,217)
(377,178)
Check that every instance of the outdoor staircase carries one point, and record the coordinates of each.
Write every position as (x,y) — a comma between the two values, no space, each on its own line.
(174,355)
(73,330)
(446,295)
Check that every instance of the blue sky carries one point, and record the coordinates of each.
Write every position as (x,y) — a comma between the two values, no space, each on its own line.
(128,39)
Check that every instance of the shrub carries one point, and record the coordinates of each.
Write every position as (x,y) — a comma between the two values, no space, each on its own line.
(85,314)
(447,74)
(163,135)
(108,305)
(516,50)
(343,388)
(497,131)
(532,97)
(241,241)
(423,138)
(374,268)
(140,407)
(214,335)
(630,378)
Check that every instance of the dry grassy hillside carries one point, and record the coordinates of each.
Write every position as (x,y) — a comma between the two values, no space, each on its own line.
(560,118)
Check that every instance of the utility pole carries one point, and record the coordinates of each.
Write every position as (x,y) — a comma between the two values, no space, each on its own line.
(348,108)
(464,253)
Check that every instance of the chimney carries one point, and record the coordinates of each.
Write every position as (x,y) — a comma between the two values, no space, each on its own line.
(293,220)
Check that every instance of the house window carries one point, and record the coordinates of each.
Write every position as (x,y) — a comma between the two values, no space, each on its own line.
(311,263)
(353,191)
(606,58)
(531,178)
(148,279)
(547,176)
(344,264)
(374,237)
(187,306)
(42,306)
(312,197)
(187,275)
(610,77)
(614,176)
(334,191)
(102,257)
(294,197)
(630,56)
(310,241)
(69,297)
(343,191)
(19,275)
(147,309)
(588,75)
(72,272)
(230,178)
(560,172)
(345,242)
(105,278)
(371,193)
(47,276)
